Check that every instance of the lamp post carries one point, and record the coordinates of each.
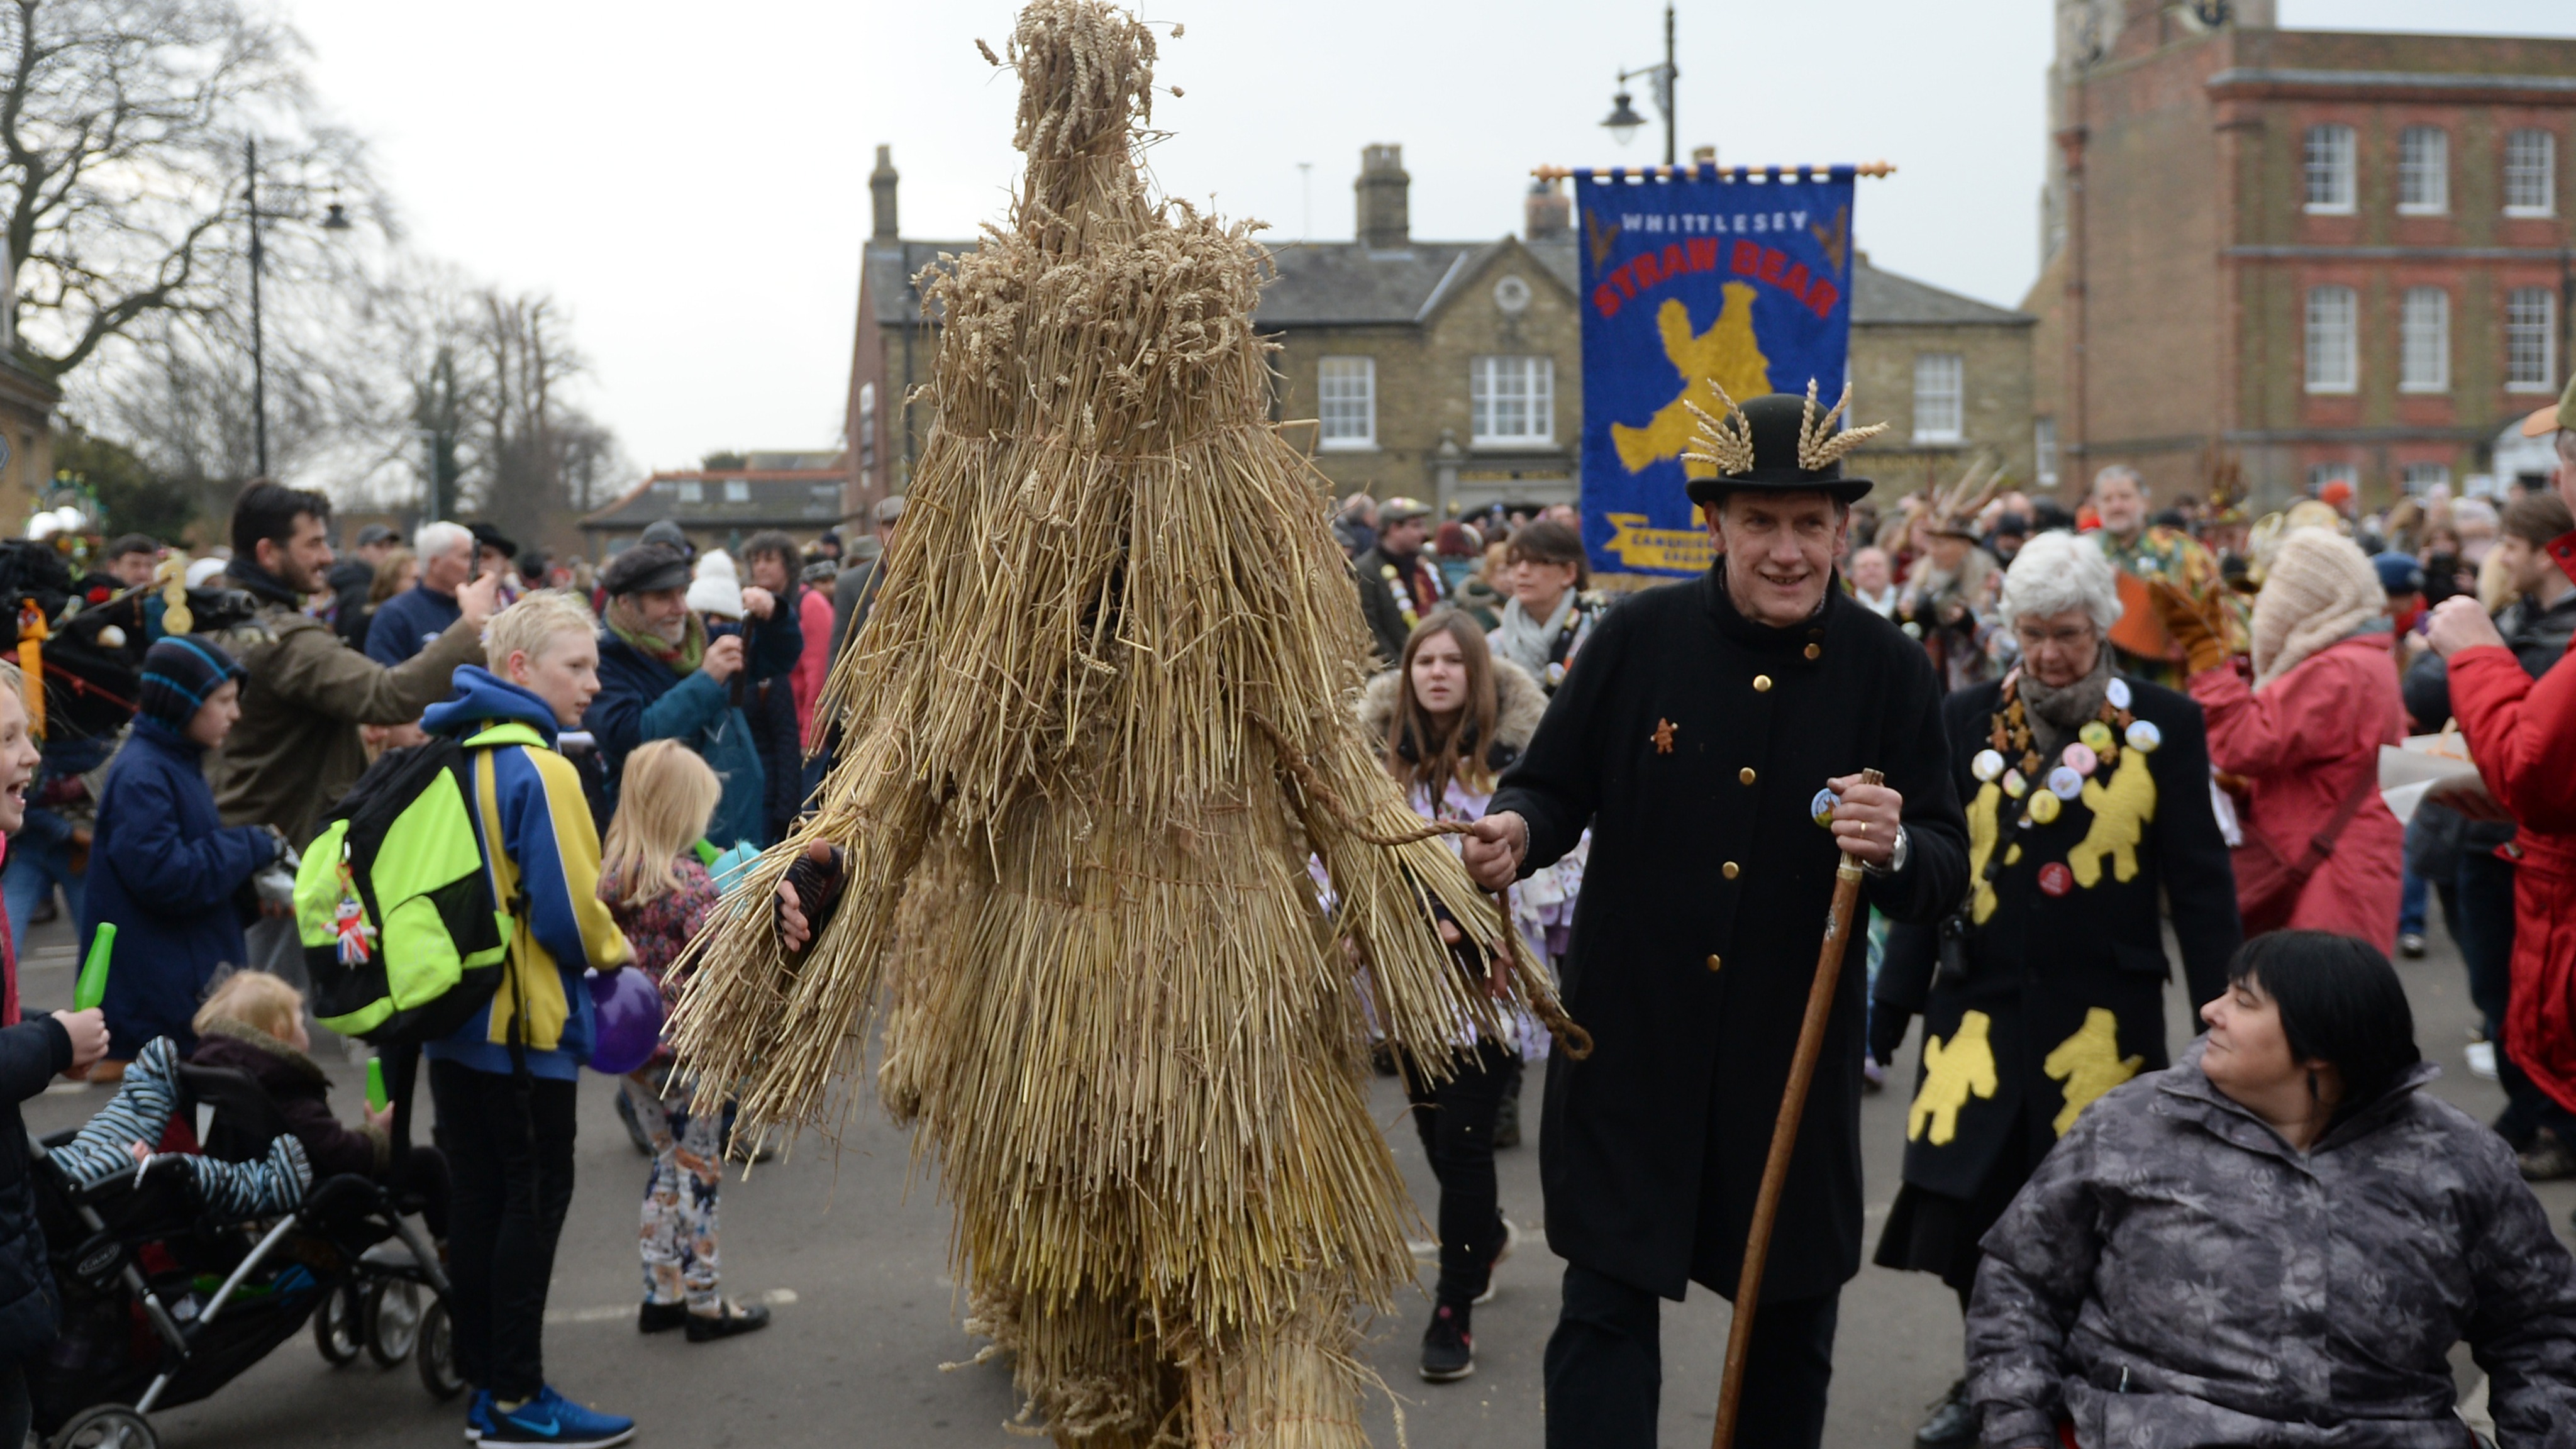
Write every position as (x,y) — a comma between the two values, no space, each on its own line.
(1623,120)
(335,219)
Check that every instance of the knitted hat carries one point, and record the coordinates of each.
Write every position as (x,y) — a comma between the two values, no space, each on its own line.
(2318,588)
(717,591)
(180,674)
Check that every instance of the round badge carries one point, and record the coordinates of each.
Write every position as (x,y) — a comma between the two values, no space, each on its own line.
(2064,783)
(2117,691)
(2144,736)
(1822,807)
(2015,785)
(1988,765)
(2055,879)
(2043,807)
(1555,675)
(2095,735)
(2081,759)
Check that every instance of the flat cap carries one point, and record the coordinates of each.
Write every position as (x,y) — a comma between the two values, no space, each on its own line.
(645,568)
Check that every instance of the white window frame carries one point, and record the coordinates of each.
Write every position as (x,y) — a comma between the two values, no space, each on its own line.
(737,490)
(2424,340)
(2043,450)
(1500,384)
(2423,171)
(2333,343)
(692,491)
(2418,479)
(2326,170)
(2531,317)
(2321,474)
(1940,398)
(2541,170)
(1346,397)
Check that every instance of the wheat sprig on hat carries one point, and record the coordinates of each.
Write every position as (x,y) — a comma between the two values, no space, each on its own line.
(1819,446)
(1727,440)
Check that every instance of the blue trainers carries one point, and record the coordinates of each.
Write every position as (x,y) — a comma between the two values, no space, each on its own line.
(478,1416)
(552,1419)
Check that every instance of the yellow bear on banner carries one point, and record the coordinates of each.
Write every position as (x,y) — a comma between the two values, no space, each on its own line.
(1953,1071)
(1727,354)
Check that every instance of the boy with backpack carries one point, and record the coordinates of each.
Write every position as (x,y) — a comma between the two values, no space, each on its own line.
(504,1082)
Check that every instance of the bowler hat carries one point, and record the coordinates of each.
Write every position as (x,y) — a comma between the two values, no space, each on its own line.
(487,536)
(1780,443)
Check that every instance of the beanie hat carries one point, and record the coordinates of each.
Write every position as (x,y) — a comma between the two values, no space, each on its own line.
(2399,573)
(2318,588)
(717,592)
(180,674)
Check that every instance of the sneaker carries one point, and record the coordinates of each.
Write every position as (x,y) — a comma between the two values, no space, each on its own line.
(478,1416)
(1511,1240)
(1448,1348)
(552,1419)
(2411,945)
(2482,1063)
(1952,1424)
(734,1318)
(2548,1160)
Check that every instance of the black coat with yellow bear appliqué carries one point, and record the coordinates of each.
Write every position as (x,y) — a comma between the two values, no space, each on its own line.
(2064,994)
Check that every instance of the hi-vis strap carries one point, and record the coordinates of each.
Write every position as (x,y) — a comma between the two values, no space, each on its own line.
(511,997)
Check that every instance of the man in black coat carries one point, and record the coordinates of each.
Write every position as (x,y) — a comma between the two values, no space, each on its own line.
(1398,586)
(1694,736)
(2088,809)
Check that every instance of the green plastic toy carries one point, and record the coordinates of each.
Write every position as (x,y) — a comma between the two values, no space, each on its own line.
(376,1097)
(93,978)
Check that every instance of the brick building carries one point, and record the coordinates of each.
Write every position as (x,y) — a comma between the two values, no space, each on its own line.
(1453,370)
(2313,254)
(799,493)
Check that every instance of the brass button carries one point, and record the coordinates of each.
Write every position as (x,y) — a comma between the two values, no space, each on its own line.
(1762,684)
(1815,651)
(1745,774)
(1713,962)
(1728,870)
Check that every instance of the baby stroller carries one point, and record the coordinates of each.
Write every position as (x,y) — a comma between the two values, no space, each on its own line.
(164,1302)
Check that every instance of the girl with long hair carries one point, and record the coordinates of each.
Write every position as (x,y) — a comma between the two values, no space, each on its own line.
(654,884)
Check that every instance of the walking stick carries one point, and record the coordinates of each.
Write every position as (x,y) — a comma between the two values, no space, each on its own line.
(1784,1137)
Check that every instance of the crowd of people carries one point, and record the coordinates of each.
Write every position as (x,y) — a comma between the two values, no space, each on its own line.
(2093,722)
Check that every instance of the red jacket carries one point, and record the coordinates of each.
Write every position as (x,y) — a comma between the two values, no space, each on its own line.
(2522,732)
(813,662)
(2303,742)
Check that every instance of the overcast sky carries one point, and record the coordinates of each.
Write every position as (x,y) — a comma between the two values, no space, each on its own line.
(691,179)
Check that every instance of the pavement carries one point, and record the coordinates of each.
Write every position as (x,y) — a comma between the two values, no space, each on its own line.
(849,1243)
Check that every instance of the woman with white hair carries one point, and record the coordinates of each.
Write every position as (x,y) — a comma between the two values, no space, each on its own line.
(2321,851)
(2088,804)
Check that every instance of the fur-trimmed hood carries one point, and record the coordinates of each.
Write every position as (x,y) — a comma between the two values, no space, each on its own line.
(1518,703)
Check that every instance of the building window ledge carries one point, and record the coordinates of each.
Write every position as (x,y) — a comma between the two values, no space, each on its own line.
(2419,210)
(2424,389)
(2531,213)
(1489,446)
(2329,208)
(1347,445)
(2529,387)
(2332,389)
(1939,440)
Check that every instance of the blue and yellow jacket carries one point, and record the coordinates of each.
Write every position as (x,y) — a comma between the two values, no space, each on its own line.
(539,838)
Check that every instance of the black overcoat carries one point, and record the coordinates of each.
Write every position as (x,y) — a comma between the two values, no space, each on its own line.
(1692,740)
(2040,964)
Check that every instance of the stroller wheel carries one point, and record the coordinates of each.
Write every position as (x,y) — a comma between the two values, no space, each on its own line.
(393,1320)
(339,1325)
(107,1426)
(436,1355)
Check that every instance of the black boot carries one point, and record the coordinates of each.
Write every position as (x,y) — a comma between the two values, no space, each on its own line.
(1448,1347)
(1952,1423)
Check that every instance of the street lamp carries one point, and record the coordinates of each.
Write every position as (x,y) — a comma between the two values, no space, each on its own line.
(335,219)
(1623,120)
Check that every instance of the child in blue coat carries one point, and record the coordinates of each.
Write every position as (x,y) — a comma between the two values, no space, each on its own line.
(164,868)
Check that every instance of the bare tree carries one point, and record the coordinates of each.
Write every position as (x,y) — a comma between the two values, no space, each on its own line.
(122,125)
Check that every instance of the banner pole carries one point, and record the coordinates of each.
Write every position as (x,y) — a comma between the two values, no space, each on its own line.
(1724,173)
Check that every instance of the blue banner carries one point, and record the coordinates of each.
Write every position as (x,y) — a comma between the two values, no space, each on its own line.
(1738,276)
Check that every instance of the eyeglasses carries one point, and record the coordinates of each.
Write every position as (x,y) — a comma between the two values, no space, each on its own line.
(2062,638)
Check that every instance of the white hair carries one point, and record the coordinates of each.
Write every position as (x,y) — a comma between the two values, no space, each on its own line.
(438,540)
(2120,470)
(2058,573)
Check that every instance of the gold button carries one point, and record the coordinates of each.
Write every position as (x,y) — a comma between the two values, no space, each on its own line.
(1815,651)
(1713,962)
(1728,869)
(1762,684)
(1745,774)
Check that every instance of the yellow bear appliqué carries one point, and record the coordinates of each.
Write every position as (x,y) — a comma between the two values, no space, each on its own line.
(2120,816)
(2089,1063)
(1982,831)
(1953,1071)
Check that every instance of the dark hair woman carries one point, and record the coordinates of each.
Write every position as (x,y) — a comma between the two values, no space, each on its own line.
(1547,618)
(1452,717)
(2277,1240)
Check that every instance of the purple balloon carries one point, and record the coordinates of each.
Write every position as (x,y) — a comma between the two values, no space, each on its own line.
(627,1007)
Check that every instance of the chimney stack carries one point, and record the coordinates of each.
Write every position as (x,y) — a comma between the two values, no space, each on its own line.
(881,186)
(1382,187)
(1547,213)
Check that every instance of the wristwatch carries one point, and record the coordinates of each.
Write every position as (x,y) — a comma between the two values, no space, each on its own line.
(1896,855)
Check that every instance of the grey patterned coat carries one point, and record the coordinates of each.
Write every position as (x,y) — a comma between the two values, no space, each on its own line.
(2175,1276)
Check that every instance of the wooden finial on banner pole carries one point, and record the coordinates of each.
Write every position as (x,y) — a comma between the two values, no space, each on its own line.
(1724,173)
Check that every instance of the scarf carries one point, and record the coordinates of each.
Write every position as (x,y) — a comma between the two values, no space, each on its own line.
(683,657)
(2055,714)
(260,584)
(1525,642)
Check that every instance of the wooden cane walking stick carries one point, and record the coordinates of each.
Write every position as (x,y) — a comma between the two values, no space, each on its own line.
(1784,1137)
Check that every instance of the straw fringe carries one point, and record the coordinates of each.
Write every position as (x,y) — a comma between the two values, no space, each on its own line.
(1078,872)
